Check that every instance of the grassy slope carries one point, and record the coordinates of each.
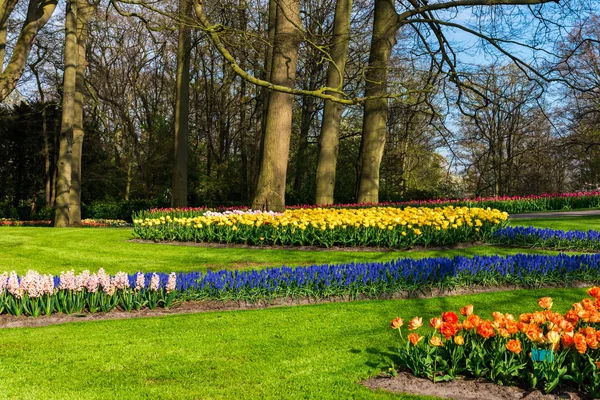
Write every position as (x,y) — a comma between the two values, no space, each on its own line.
(51,250)
(318,351)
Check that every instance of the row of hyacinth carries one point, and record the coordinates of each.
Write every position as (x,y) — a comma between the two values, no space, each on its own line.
(36,294)
(510,204)
(547,238)
(94,223)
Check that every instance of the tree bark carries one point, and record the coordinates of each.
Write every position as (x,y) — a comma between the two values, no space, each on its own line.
(84,13)
(182,101)
(332,114)
(2,45)
(264,94)
(38,14)
(376,109)
(63,182)
(270,191)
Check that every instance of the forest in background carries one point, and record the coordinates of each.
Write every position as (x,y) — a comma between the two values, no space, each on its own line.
(293,102)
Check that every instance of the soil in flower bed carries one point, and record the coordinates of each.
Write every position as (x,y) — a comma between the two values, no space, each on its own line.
(461,389)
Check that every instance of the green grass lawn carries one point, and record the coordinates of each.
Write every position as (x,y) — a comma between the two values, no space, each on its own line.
(562,223)
(302,352)
(50,250)
(315,351)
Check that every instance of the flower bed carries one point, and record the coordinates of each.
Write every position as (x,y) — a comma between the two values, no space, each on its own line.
(34,293)
(86,222)
(509,204)
(542,350)
(376,227)
(547,238)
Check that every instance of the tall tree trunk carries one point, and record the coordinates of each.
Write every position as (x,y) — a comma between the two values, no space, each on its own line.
(84,13)
(332,114)
(376,109)
(182,102)
(270,190)
(63,183)
(264,94)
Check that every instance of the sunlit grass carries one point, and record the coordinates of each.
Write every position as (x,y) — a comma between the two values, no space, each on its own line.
(317,352)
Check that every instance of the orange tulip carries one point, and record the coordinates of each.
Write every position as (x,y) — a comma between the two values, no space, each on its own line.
(414,338)
(503,332)
(467,310)
(553,337)
(514,346)
(545,302)
(497,316)
(436,341)
(591,341)
(415,323)
(594,292)
(448,330)
(435,323)
(588,305)
(539,318)
(580,343)
(512,327)
(459,340)
(485,329)
(472,322)
(450,316)
(397,323)
(567,340)
(525,318)
(572,317)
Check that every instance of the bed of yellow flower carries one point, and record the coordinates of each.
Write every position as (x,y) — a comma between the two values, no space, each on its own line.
(540,350)
(366,227)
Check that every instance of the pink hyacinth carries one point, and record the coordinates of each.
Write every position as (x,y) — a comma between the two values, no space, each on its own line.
(172,282)
(111,289)
(154,282)
(47,284)
(104,280)
(92,283)
(81,280)
(120,281)
(67,281)
(13,285)
(30,284)
(139,281)
(3,282)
